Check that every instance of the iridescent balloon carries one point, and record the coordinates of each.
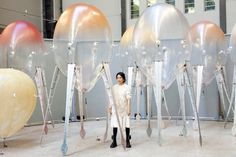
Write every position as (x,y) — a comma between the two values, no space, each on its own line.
(232,45)
(208,48)
(82,36)
(159,36)
(17,101)
(22,47)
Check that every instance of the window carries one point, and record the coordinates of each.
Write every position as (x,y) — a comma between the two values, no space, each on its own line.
(189,6)
(209,5)
(134,8)
(151,2)
(172,2)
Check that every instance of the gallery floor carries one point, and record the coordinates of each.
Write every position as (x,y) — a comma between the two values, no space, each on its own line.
(217,141)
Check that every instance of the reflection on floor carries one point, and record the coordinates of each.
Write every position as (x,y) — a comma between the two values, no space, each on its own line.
(217,141)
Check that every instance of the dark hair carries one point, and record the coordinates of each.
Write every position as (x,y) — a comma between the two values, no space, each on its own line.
(122,75)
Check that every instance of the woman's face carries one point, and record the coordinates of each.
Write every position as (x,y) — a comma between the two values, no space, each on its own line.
(120,80)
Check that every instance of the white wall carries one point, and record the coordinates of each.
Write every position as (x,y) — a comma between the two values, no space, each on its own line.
(12,10)
(231,14)
(15,10)
(143,6)
(110,8)
(199,14)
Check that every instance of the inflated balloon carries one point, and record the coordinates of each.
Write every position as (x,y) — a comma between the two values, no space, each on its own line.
(126,54)
(232,46)
(159,36)
(82,36)
(208,48)
(22,46)
(17,101)
(126,48)
(2,55)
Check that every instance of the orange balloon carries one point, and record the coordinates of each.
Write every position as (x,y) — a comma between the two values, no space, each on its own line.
(82,22)
(208,48)
(204,32)
(82,36)
(126,39)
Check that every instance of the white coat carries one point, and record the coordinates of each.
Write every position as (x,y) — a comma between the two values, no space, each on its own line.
(122,95)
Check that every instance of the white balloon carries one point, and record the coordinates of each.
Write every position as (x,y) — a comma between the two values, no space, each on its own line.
(159,36)
(126,48)
(232,45)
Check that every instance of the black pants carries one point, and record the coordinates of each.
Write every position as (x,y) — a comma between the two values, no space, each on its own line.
(127,131)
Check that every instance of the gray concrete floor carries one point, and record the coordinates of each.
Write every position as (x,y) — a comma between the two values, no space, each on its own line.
(217,141)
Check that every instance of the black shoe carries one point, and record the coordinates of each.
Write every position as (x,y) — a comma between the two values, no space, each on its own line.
(63,119)
(114,144)
(128,145)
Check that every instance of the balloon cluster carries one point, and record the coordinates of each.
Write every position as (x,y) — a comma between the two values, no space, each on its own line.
(21,47)
(83,37)
(153,38)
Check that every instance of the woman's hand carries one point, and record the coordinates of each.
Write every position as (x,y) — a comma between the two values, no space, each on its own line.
(129,112)
(109,110)
(129,107)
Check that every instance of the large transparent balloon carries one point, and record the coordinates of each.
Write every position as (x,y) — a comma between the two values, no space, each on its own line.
(82,36)
(158,36)
(127,56)
(22,47)
(17,101)
(126,48)
(232,46)
(208,48)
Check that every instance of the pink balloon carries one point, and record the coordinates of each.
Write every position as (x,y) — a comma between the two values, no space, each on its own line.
(22,46)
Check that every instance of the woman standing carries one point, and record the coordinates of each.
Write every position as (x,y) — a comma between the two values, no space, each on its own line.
(123,102)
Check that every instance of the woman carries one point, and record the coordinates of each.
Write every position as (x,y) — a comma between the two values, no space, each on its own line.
(123,103)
